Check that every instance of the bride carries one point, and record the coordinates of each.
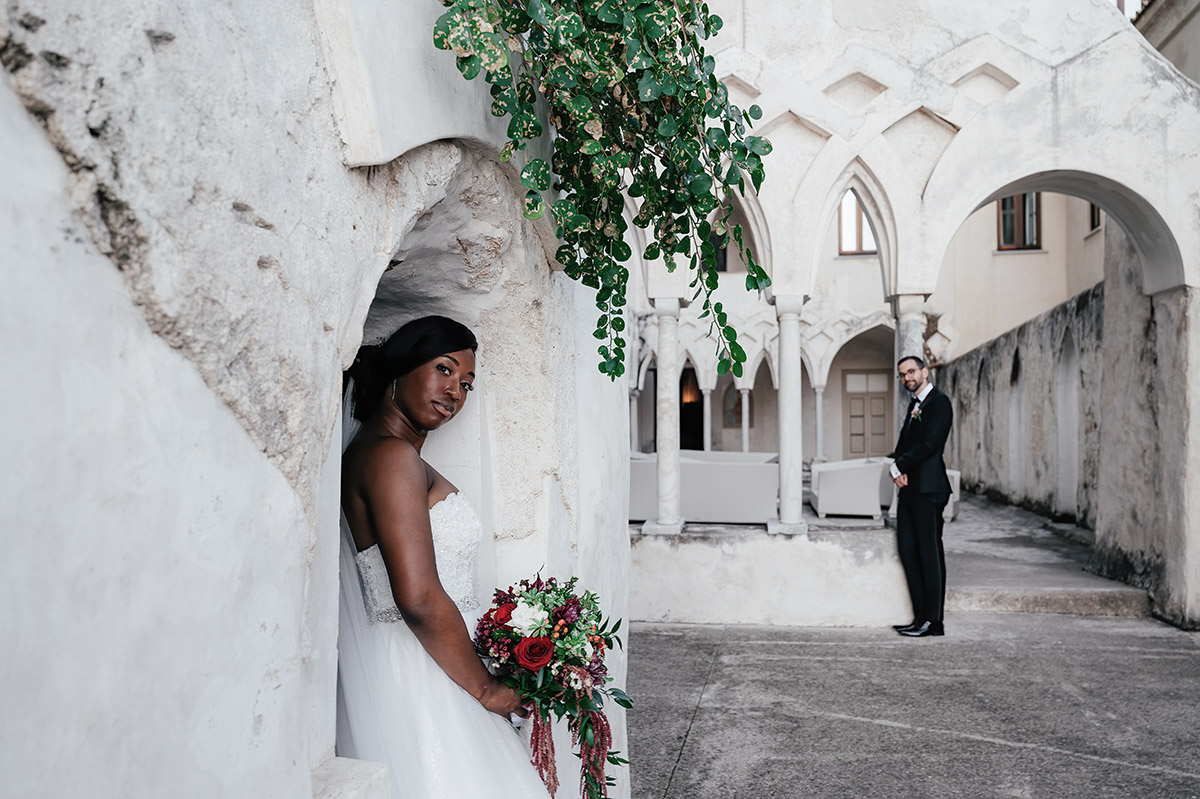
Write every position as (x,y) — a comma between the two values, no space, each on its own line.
(412,692)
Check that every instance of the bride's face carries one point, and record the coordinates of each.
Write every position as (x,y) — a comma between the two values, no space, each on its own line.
(434,392)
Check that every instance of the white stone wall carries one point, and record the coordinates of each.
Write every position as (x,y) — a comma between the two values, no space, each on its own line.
(188,265)
(1122,423)
(981,387)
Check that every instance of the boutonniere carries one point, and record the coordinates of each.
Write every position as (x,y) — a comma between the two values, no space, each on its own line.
(916,414)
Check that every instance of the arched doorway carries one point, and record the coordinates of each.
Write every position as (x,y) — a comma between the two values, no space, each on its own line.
(691,410)
(860,396)
(1066,500)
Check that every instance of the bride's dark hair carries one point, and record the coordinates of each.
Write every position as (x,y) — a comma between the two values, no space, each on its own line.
(415,343)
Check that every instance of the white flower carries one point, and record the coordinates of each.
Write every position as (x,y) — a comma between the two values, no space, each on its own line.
(526,618)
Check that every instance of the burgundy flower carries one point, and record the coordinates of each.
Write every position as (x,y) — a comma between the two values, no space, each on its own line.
(597,669)
(504,613)
(534,653)
(569,611)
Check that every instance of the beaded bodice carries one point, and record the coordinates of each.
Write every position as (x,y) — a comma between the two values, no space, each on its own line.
(456,534)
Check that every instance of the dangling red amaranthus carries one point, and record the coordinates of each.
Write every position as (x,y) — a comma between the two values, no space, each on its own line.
(542,743)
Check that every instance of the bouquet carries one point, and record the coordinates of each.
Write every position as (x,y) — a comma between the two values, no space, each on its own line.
(548,642)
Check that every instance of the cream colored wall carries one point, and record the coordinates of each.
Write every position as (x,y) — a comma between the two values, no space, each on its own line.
(1085,246)
(983,292)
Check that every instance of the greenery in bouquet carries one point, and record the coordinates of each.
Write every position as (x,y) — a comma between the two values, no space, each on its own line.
(637,111)
(549,642)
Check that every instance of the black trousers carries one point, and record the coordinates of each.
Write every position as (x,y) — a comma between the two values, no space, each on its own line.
(919,541)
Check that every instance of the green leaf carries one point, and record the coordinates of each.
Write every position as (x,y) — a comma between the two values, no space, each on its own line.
(580,105)
(604,10)
(700,185)
(535,206)
(443,28)
(668,128)
(621,251)
(652,252)
(648,87)
(493,54)
(755,112)
(723,366)
(569,25)
(536,175)
(758,145)
(540,11)
(469,66)
(591,147)
(718,138)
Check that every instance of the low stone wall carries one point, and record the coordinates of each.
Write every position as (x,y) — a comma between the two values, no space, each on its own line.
(849,578)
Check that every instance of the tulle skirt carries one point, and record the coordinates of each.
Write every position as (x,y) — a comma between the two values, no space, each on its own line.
(397,706)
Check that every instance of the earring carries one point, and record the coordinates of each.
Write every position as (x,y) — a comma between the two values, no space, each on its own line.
(394,382)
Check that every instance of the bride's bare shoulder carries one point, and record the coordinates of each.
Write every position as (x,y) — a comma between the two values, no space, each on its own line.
(386,461)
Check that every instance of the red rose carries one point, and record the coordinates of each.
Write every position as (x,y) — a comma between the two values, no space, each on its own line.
(533,653)
(504,613)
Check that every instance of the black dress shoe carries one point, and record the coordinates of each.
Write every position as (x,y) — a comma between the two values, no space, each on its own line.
(911,625)
(925,629)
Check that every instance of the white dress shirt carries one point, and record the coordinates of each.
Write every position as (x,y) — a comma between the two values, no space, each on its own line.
(921,395)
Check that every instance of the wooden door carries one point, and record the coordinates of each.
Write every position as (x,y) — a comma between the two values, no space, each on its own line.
(866,421)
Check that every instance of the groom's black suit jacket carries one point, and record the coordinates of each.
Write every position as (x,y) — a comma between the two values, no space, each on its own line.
(922,441)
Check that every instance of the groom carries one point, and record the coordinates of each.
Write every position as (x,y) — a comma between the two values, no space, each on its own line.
(920,474)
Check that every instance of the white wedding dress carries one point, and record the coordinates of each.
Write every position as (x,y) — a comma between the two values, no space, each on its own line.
(396,705)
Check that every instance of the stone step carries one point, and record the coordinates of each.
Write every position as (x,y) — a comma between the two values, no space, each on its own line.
(1117,600)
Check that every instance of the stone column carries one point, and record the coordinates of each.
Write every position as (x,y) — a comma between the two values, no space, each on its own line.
(910,340)
(707,392)
(820,412)
(745,400)
(791,421)
(633,418)
(666,403)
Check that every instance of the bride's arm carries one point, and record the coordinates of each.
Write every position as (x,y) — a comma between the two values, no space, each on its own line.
(397,498)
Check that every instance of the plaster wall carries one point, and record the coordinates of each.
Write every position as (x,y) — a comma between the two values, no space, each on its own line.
(1131,536)
(155,562)
(189,265)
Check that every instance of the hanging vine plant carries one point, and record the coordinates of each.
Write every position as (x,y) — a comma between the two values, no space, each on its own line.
(636,108)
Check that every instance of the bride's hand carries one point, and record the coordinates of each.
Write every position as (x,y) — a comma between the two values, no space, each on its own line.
(502,700)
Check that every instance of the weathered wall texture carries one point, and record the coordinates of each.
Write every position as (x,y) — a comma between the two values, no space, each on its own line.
(187,265)
(1085,412)
(985,396)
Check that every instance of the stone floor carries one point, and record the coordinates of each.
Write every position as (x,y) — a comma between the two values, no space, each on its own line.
(1101,703)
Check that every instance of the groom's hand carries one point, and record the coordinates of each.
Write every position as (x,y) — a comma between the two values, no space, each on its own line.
(901,481)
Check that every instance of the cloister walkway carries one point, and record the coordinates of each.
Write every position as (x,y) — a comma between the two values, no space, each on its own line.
(1051,697)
